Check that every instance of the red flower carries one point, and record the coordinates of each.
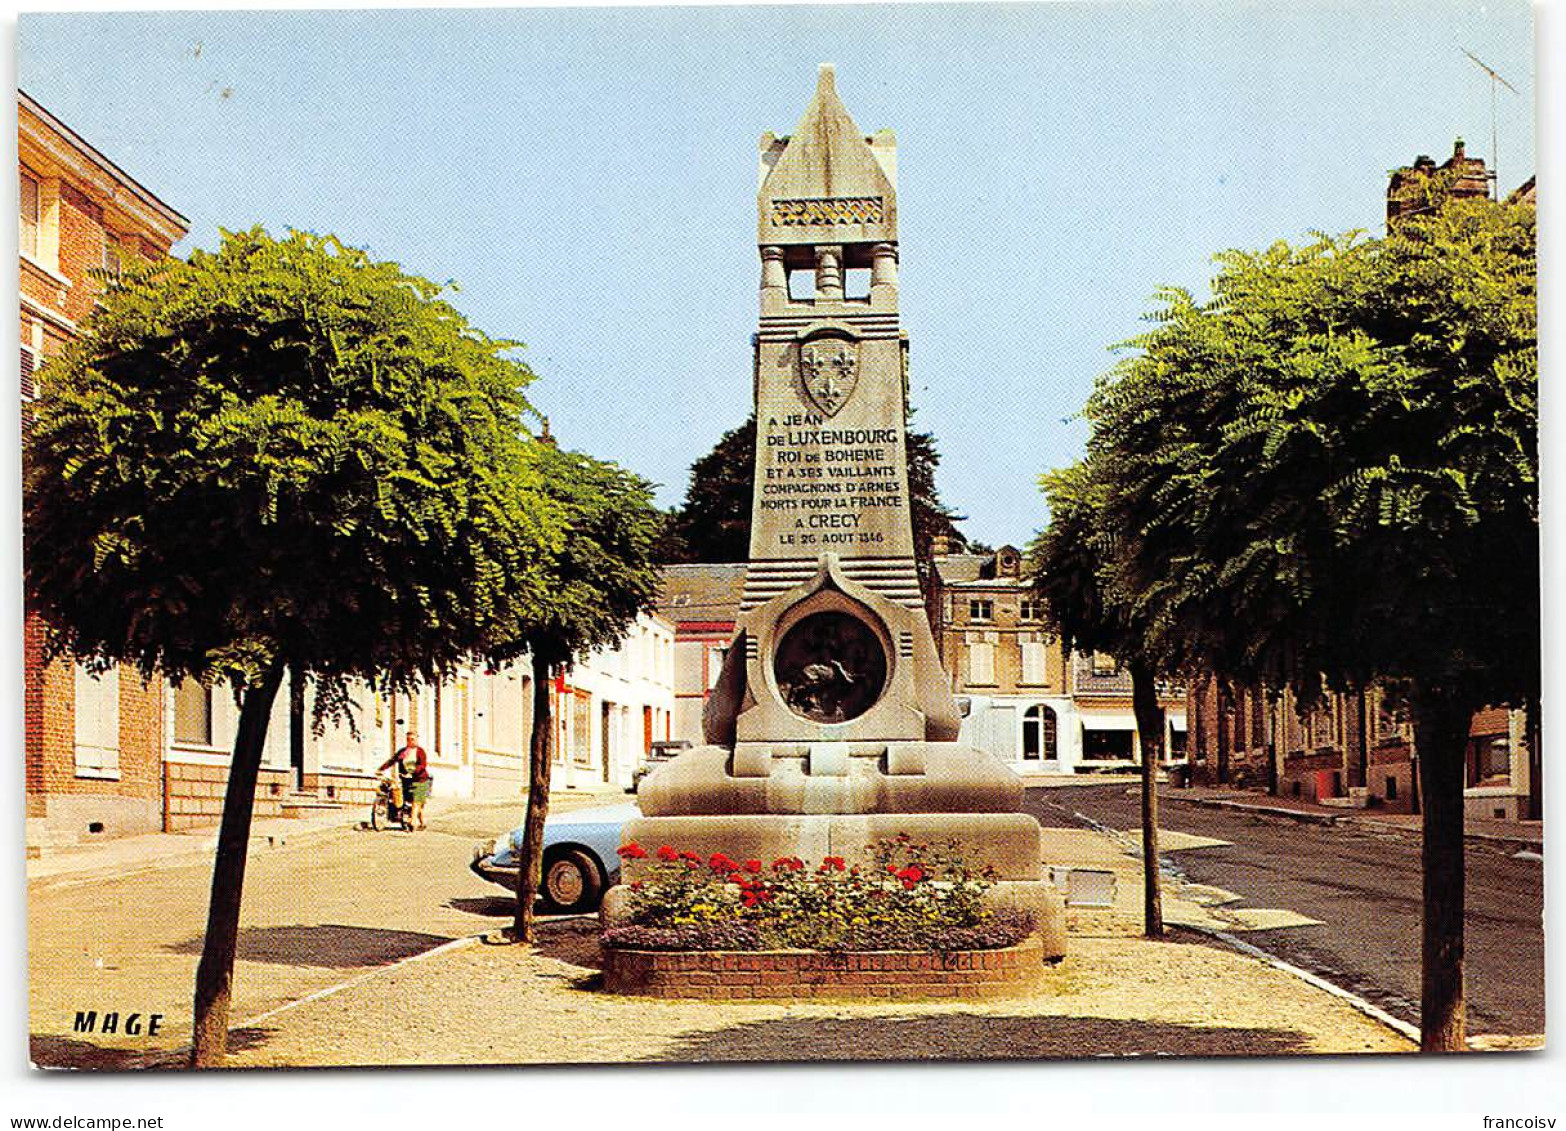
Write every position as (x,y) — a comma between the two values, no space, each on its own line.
(787,864)
(910,876)
(632,851)
(690,856)
(753,865)
(636,885)
(721,863)
(833,863)
(738,878)
(667,853)
(891,869)
(692,865)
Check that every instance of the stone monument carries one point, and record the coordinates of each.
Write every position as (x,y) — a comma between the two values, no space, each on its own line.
(832,724)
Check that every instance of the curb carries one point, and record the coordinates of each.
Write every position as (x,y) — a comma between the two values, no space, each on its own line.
(1535,844)
(1374,1012)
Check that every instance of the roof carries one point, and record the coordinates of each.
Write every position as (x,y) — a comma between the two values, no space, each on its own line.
(954,569)
(108,168)
(702,591)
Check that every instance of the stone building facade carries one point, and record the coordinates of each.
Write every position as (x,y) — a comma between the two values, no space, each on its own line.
(92,754)
(1029,702)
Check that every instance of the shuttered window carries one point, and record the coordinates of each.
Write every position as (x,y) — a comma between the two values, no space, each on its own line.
(97,718)
(193,714)
(981,663)
(29,216)
(1032,661)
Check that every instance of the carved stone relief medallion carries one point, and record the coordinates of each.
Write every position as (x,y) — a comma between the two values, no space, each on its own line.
(830,667)
(829,368)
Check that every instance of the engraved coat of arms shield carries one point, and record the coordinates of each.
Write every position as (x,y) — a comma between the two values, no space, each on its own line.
(829,368)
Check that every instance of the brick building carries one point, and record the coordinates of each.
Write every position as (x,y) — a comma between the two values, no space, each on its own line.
(702,600)
(92,749)
(1422,186)
(1027,701)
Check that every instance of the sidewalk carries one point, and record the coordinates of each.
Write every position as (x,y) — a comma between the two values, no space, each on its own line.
(146,851)
(1518,834)
(1115,994)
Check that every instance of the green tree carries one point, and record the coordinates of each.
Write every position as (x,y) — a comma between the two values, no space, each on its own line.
(1328,475)
(1070,564)
(713,524)
(600,578)
(280,457)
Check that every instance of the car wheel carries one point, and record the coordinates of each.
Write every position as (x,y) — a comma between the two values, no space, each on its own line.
(571,882)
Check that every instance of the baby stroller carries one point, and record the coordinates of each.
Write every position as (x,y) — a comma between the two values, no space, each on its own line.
(393,801)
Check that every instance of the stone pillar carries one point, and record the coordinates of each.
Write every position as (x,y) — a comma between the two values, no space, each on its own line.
(774,278)
(883,273)
(829,273)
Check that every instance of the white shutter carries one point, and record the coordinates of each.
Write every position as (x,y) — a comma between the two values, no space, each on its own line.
(97,723)
(1032,662)
(981,664)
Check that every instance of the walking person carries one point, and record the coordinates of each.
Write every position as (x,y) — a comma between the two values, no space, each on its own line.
(416,762)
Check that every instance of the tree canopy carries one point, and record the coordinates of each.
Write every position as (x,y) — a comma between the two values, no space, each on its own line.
(1327,475)
(713,523)
(1331,467)
(603,573)
(284,451)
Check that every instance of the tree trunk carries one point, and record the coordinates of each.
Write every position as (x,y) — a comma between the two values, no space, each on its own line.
(1225,738)
(540,754)
(215,974)
(1150,729)
(1440,742)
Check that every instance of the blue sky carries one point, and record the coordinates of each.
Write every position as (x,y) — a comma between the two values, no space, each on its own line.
(588,176)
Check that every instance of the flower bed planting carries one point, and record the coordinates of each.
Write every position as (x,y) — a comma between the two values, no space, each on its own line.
(912,897)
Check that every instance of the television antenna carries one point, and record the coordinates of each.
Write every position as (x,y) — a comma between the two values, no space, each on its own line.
(1495,156)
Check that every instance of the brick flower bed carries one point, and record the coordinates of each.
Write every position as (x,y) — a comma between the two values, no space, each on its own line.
(892,974)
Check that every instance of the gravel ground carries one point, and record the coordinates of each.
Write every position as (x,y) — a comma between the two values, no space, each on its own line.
(497,1004)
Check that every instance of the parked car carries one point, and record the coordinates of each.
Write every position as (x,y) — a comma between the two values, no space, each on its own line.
(580,860)
(659,753)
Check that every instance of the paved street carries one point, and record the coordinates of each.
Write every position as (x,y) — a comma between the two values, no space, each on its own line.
(315,914)
(1364,885)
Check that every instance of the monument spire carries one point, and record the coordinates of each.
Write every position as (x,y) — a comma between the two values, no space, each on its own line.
(832,722)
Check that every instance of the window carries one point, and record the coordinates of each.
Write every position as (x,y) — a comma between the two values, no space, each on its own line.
(1105,664)
(1038,733)
(30,216)
(981,663)
(981,610)
(1491,758)
(97,718)
(118,252)
(1106,745)
(1032,662)
(1032,609)
(192,714)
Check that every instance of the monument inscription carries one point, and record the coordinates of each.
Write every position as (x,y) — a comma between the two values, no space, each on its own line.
(832,722)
